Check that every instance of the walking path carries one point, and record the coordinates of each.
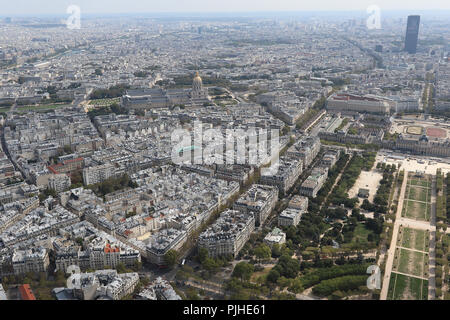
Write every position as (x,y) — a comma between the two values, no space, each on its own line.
(410,275)
(416,224)
(432,253)
(410,249)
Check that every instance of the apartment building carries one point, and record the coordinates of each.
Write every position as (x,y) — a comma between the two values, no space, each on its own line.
(32,260)
(97,174)
(228,234)
(283,174)
(163,241)
(59,182)
(306,149)
(290,217)
(259,200)
(314,182)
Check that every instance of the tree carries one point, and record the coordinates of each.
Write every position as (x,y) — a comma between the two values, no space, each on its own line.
(263,252)
(138,266)
(240,295)
(276,251)
(202,255)
(170,258)
(60,278)
(121,268)
(79,241)
(243,270)
(283,282)
(273,276)
(77,177)
(210,265)
(192,294)
(296,286)
(42,280)
(287,266)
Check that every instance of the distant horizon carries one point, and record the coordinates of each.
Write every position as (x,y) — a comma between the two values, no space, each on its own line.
(202,14)
(221,7)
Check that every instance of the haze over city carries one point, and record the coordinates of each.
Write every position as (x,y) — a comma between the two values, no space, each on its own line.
(27,7)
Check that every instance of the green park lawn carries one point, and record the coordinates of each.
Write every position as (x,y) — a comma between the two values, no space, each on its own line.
(414,239)
(402,287)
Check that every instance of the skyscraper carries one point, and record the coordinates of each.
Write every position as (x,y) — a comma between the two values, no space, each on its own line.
(412,34)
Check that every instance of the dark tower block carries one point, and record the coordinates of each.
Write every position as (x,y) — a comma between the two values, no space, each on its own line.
(412,34)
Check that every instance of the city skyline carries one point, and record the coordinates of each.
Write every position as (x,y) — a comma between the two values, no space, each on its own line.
(52,7)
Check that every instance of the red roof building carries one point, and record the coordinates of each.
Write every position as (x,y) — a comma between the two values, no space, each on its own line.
(26,293)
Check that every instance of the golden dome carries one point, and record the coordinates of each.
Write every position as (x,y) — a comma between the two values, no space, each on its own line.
(197,84)
(197,77)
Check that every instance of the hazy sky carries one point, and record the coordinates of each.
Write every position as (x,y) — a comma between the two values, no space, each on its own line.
(38,7)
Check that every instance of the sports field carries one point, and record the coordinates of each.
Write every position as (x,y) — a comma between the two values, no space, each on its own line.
(416,130)
(402,287)
(436,132)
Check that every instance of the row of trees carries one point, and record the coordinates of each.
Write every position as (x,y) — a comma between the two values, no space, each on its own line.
(442,264)
(339,194)
(317,276)
(245,290)
(333,173)
(345,283)
(309,116)
(447,182)
(112,92)
(441,197)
